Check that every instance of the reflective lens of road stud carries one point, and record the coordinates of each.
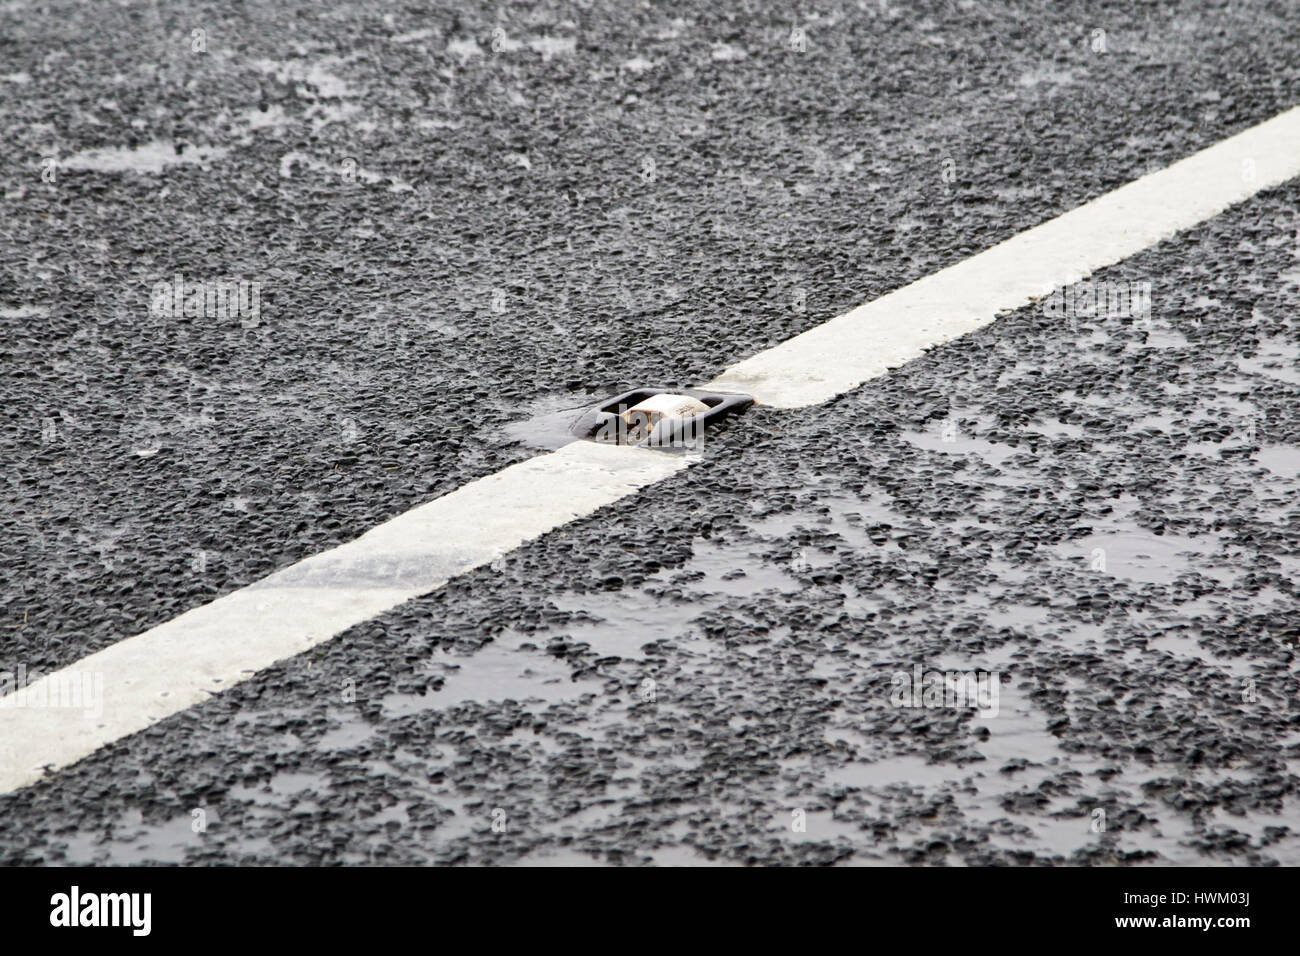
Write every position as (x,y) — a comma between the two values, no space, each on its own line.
(642,417)
(666,419)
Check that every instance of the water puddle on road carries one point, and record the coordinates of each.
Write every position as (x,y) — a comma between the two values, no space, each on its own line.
(22,311)
(1055,428)
(501,670)
(954,442)
(150,157)
(1183,644)
(1028,793)
(133,842)
(546,422)
(273,117)
(1165,337)
(1282,460)
(619,623)
(1143,556)
(349,733)
(1275,359)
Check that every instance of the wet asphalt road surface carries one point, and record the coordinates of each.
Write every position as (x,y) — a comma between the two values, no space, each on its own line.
(1102,510)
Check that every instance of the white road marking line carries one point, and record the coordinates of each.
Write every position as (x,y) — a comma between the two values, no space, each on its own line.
(846,351)
(180,663)
(171,667)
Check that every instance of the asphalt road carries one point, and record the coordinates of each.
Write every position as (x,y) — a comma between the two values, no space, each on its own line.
(527,230)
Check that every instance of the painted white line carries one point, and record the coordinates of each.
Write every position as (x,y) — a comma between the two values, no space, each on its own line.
(180,663)
(853,348)
(153,675)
